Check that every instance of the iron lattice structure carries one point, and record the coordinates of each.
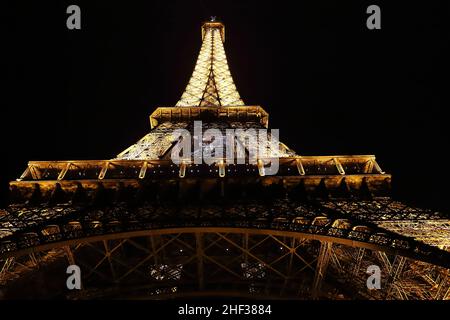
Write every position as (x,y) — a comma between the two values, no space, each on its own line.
(140,226)
(211,83)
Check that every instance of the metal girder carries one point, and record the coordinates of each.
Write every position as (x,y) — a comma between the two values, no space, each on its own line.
(395,272)
(127,219)
(200,255)
(108,254)
(64,171)
(69,254)
(292,249)
(321,267)
(443,288)
(6,265)
(148,257)
(201,250)
(359,258)
(252,256)
(313,236)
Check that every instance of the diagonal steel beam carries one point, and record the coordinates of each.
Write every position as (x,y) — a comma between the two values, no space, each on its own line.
(394,273)
(321,267)
(222,266)
(151,255)
(69,255)
(358,262)
(253,256)
(104,255)
(108,253)
(200,255)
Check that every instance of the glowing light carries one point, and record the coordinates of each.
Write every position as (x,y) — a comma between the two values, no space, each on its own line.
(211,83)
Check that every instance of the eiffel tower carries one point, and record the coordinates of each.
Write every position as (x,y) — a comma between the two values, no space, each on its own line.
(140,226)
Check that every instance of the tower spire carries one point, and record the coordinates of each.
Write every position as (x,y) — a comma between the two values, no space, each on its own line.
(211,83)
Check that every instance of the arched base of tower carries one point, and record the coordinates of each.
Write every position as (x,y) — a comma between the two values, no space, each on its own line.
(200,264)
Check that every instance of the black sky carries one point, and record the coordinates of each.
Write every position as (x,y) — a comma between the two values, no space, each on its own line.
(331,85)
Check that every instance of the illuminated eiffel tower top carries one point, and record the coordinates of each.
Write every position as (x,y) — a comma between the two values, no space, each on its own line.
(211,83)
(212,99)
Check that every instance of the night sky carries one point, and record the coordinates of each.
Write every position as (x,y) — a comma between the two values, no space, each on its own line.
(330,85)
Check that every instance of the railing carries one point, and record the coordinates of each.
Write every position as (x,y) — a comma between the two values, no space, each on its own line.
(74,230)
(140,169)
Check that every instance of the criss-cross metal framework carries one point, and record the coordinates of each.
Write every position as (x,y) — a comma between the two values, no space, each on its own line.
(211,83)
(140,226)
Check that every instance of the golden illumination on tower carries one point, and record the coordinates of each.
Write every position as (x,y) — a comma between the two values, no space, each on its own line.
(211,83)
(225,228)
